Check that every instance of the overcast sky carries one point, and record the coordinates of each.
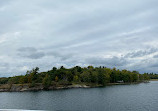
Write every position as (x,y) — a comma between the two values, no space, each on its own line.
(47,33)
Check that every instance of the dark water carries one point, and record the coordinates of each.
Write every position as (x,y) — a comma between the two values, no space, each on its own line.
(140,97)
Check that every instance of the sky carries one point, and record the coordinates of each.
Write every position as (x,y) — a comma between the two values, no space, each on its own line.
(48,33)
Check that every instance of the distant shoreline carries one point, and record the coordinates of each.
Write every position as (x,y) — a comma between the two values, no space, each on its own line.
(39,87)
(75,77)
(153,79)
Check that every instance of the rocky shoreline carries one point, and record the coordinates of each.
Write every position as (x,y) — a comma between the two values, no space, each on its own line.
(39,87)
(24,88)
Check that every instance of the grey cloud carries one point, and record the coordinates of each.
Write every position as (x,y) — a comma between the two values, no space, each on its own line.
(155,56)
(30,52)
(114,61)
(33,53)
(62,55)
(4,65)
(36,55)
(78,32)
(4,2)
(154,65)
(27,49)
(141,53)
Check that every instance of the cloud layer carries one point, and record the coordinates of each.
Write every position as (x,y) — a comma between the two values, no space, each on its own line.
(47,33)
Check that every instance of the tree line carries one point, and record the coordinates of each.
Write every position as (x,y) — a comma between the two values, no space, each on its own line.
(95,75)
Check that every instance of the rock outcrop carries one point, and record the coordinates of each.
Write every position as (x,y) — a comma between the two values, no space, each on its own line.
(26,87)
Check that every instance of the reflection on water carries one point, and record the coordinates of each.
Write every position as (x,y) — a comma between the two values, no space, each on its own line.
(139,97)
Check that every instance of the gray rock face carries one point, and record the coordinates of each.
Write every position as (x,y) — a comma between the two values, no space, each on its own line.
(78,86)
(3,90)
(15,88)
(22,88)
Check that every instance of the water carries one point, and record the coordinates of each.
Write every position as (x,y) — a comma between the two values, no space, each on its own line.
(139,97)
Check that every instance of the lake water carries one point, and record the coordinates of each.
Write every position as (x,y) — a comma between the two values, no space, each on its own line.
(138,97)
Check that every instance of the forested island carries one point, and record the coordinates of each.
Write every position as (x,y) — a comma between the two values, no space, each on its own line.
(76,77)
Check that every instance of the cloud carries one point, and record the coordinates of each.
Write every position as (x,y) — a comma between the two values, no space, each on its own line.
(52,33)
(4,65)
(155,56)
(141,53)
(30,52)
(27,49)
(36,55)
(61,55)
(111,62)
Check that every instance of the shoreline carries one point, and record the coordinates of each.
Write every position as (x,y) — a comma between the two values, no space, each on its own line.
(153,79)
(39,87)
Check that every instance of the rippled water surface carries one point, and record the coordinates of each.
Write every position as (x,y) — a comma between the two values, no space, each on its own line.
(139,97)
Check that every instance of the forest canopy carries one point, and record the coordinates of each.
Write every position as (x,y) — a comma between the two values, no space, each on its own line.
(95,75)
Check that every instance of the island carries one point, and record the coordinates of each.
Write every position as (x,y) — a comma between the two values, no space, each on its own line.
(75,77)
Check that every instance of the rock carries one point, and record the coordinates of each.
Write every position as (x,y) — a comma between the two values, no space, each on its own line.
(38,87)
(16,88)
(4,90)
(78,86)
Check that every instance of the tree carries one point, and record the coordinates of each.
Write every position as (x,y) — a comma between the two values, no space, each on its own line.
(46,81)
(94,77)
(32,75)
(56,79)
(54,68)
(98,75)
(85,76)
(76,79)
(146,77)
(22,80)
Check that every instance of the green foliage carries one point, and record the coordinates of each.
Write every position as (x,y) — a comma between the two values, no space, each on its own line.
(76,79)
(92,75)
(153,76)
(85,76)
(64,83)
(32,84)
(46,81)
(56,79)
(4,80)
(32,75)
